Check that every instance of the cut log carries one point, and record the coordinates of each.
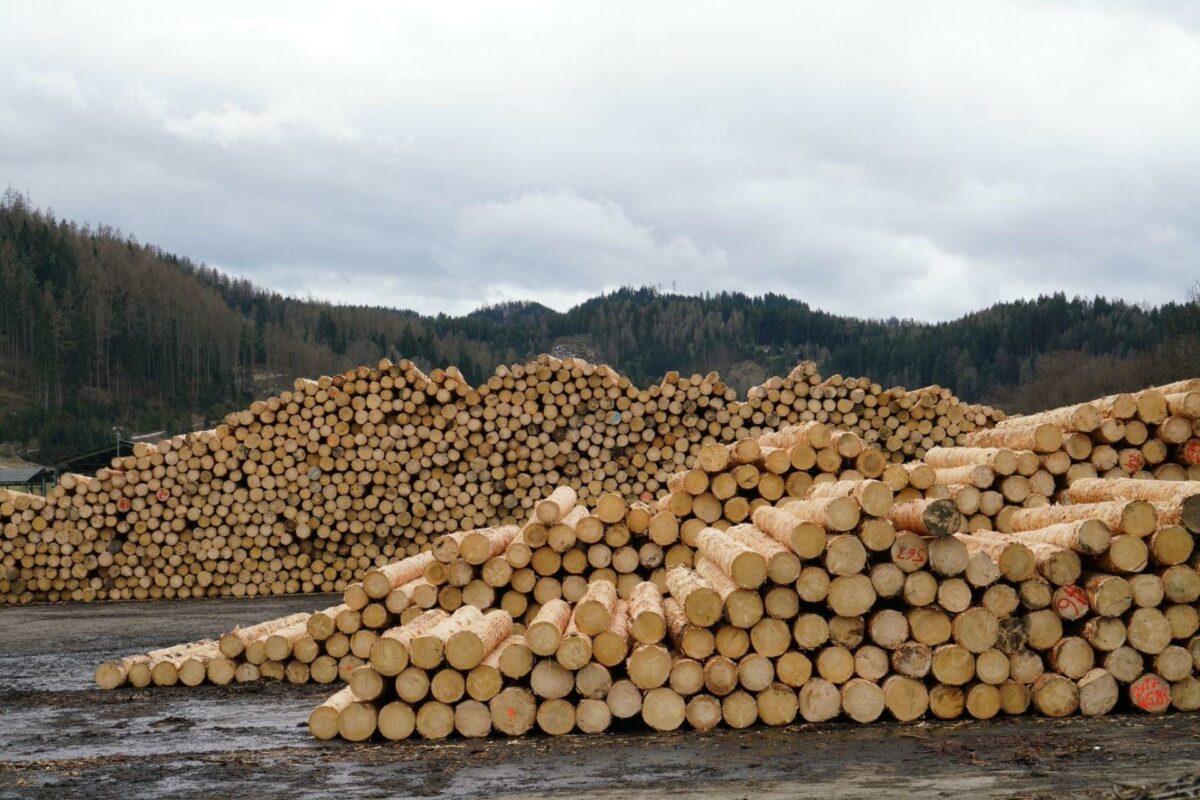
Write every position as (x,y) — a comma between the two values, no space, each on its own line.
(926,517)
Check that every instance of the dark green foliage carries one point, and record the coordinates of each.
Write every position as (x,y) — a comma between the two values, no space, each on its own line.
(97,330)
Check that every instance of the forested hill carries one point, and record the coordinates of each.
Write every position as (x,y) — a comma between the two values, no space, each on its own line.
(97,330)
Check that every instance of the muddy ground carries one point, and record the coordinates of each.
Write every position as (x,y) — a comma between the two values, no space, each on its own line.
(59,737)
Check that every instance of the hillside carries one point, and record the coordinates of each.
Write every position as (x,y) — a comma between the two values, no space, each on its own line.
(98,330)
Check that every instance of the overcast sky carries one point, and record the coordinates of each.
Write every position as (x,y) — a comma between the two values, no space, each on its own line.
(911,159)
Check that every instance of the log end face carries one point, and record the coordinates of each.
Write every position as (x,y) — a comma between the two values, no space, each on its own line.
(1190,513)
(703,607)
(1150,693)
(749,570)
(356,722)
(941,518)
(323,723)
(110,675)
(376,585)
(1094,537)
(230,645)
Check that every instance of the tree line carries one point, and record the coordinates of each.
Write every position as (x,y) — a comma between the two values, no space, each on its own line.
(98,330)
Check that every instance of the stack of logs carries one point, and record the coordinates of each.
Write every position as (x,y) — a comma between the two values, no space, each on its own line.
(306,491)
(1152,434)
(794,575)
(903,423)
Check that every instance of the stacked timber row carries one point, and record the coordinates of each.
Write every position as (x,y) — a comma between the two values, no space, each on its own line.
(839,597)
(840,603)
(323,647)
(306,491)
(903,423)
(1152,434)
(1029,462)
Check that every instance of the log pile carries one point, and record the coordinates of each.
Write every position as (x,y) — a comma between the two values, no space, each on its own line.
(771,583)
(308,490)
(1152,434)
(903,423)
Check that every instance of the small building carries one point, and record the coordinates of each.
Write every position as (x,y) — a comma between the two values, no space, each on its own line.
(29,478)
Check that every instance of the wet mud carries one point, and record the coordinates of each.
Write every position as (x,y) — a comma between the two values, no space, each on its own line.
(61,737)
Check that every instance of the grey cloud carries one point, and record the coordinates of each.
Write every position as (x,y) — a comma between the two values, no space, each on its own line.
(438,157)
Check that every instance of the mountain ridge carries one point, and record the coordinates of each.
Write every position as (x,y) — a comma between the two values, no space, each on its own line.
(99,331)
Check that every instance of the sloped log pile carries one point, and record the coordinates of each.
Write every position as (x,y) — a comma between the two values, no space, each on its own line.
(308,490)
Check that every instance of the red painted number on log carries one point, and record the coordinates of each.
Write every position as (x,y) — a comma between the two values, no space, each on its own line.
(1072,602)
(1150,694)
(913,555)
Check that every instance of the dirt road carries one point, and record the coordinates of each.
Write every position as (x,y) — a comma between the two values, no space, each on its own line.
(59,737)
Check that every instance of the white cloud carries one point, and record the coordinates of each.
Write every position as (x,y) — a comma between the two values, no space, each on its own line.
(231,123)
(939,157)
(52,85)
(559,242)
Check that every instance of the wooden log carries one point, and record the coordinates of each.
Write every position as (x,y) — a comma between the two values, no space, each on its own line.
(663,709)
(550,680)
(1015,560)
(556,506)
(1184,493)
(396,721)
(1038,437)
(593,716)
(1083,417)
(378,582)
(838,514)
(698,599)
(1014,697)
(819,700)
(1148,631)
(805,539)
(427,649)
(323,721)
(873,497)
(609,647)
(1000,459)
(478,546)
(703,712)
(1150,693)
(467,647)
(1055,695)
(1126,554)
(546,629)
(693,641)
(1107,595)
(906,699)
(1072,656)
(233,643)
(513,711)
(1132,517)
(782,565)
(164,665)
(575,649)
(926,517)
(357,721)
(624,700)
(647,620)
(1059,565)
(593,613)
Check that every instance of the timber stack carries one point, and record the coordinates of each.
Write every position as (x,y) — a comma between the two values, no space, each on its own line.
(308,490)
(766,585)
(903,423)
